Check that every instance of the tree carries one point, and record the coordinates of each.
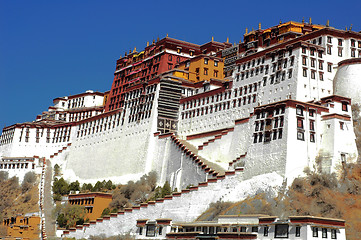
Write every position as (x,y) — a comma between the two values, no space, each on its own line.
(56,170)
(166,190)
(60,186)
(109,185)
(98,186)
(28,182)
(87,187)
(70,216)
(74,186)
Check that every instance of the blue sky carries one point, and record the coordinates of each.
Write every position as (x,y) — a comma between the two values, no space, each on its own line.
(50,49)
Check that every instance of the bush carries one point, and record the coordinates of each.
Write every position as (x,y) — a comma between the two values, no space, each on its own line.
(30,177)
(70,216)
(4,176)
(105,212)
(56,197)
(27,198)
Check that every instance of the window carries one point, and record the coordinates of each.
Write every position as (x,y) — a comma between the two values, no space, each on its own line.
(150,231)
(313,74)
(342,124)
(290,73)
(255,138)
(333,234)
(281,231)
(314,232)
(329,67)
(140,230)
(311,112)
(312,137)
(216,63)
(169,57)
(340,42)
(312,125)
(215,74)
(280,134)
(303,50)
(206,61)
(329,39)
(254,229)
(300,136)
(353,53)
(324,232)
(300,123)
(265,231)
(299,111)
(298,231)
(205,71)
(344,107)
(340,52)
(170,66)
(304,73)
(304,61)
(243,229)
(329,51)
(321,76)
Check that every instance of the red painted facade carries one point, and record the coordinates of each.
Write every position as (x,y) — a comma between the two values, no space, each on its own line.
(139,68)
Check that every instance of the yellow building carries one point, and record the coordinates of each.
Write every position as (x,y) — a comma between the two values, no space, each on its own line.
(94,203)
(24,227)
(201,68)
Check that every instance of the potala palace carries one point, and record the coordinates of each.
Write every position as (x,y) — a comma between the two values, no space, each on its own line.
(228,119)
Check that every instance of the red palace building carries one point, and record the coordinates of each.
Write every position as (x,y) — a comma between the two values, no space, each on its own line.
(140,68)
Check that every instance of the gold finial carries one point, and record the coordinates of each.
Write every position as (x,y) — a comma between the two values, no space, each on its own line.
(310,21)
(280,21)
(252,29)
(212,38)
(153,41)
(346,28)
(246,30)
(259,26)
(120,56)
(147,44)
(157,39)
(351,27)
(125,54)
(130,51)
(167,35)
(135,49)
(227,39)
(328,23)
(303,20)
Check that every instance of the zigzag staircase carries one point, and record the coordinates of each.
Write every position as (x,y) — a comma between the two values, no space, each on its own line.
(144,209)
(216,137)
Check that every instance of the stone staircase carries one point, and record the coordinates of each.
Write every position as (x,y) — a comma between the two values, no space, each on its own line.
(184,205)
(216,137)
(236,162)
